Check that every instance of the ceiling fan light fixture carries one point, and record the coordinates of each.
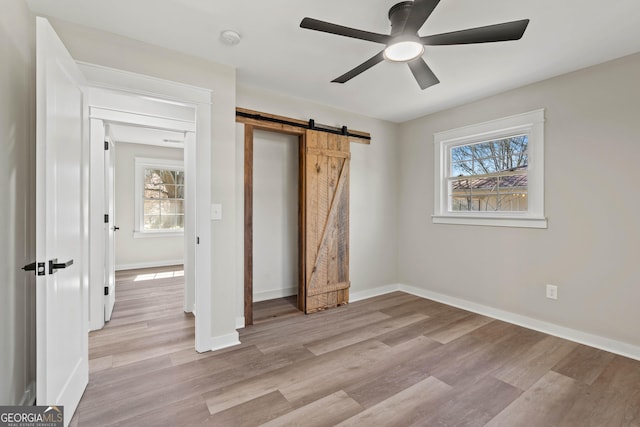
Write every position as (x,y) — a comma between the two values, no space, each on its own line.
(403,51)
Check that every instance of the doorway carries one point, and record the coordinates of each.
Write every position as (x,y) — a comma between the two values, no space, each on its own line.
(115,98)
(323,213)
(146,201)
(149,228)
(275,219)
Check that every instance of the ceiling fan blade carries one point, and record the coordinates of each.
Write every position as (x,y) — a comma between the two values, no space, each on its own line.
(423,74)
(327,27)
(420,11)
(360,68)
(491,33)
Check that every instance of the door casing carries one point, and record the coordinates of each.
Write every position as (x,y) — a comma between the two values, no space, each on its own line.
(104,81)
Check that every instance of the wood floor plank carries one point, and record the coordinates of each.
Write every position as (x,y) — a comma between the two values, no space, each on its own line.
(255,412)
(291,376)
(523,371)
(317,414)
(459,328)
(302,334)
(344,339)
(130,372)
(406,407)
(100,363)
(185,412)
(343,375)
(473,404)
(584,364)
(544,404)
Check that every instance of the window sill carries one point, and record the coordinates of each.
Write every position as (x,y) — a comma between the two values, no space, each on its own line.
(156,234)
(492,221)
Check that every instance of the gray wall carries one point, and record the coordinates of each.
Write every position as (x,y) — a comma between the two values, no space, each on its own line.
(275,215)
(17,187)
(140,252)
(591,247)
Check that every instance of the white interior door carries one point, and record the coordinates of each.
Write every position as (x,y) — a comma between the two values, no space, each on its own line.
(110,228)
(61,286)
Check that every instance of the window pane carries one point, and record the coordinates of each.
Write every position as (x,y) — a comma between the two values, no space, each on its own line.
(488,185)
(151,207)
(163,199)
(171,207)
(168,222)
(490,157)
(180,177)
(489,194)
(152,222)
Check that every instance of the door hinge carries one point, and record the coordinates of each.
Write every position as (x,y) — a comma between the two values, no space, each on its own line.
(106,218)
(106,290)
(106,146)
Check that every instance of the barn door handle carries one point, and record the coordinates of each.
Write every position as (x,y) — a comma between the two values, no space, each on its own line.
(54,265)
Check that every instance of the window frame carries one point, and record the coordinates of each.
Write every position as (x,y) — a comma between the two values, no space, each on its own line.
(142,163)
(531,124)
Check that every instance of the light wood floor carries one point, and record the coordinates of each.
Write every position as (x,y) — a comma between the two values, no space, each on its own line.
(394,360)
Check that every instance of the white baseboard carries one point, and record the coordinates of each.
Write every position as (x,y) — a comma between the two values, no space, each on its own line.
(240,322)
(274,293)
(224,341)
(29,396)
(370,293)
(591,340)
(603,343)
(149,264)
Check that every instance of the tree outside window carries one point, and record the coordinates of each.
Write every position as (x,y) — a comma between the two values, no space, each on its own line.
(163,199)
(159,197)
(490,175)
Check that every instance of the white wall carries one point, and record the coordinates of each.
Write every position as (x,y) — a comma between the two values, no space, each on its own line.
(591,247)
(140,252)
(17,216)
(98,47)
(373,194)
(275,215)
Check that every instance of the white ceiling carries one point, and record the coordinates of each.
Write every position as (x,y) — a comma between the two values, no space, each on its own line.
(275,54)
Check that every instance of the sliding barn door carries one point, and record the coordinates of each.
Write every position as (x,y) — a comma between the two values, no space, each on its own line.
(325,220)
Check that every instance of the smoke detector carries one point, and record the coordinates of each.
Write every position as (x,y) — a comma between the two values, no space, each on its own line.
(230,37)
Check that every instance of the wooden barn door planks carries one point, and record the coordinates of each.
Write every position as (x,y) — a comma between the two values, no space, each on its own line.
(326,220)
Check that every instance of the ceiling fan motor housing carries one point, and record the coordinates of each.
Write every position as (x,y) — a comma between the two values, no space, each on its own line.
(398,15)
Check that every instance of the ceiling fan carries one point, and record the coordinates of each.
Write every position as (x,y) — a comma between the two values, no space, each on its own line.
(405,45)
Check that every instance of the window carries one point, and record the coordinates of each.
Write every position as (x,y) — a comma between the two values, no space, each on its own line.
(492,173)
(159,197)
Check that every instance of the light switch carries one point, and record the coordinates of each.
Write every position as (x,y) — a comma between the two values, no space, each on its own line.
(216,211)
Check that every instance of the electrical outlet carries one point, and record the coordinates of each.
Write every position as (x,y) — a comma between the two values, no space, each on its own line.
(552,292)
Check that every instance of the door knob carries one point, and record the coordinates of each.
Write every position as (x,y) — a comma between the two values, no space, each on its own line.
(116,228)
(54,265)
